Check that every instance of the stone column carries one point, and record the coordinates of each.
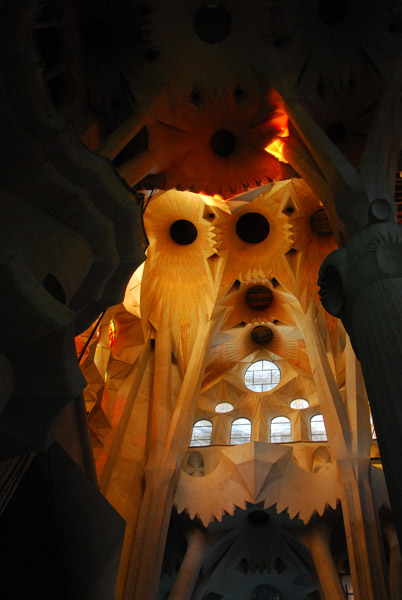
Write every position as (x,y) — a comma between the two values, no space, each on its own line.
(317,539)
(190,567)
(362,284)
(161,475)
(364,545)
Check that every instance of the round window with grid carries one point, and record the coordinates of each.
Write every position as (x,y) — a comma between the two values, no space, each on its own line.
(262,376)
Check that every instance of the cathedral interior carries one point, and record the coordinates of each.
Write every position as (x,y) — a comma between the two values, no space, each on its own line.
(201,260)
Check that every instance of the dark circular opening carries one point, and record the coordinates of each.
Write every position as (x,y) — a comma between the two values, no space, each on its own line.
(319,223)
(259,297)
(212,23)
(258,516)
(252,228)
(336,132)
(262,335)
(223,143)
(332,12)
(54,287)
(183,232)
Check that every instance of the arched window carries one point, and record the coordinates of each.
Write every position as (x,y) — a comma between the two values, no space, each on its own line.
(317,426)
(281,430)
(240,432)
(262,376)
(201,435)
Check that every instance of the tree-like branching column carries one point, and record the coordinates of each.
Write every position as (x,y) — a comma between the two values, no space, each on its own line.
(361,282)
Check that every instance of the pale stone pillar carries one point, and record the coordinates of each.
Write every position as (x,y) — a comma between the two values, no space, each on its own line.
(317,539)
(190,567)
(161,475)
(364,545)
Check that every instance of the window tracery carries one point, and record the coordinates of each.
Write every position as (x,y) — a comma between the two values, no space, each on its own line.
(262,376)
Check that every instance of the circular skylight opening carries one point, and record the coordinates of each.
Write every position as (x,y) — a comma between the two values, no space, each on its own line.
(252,228)
(183,232)
(299,403)
(223,407)
(319,223)
(223,143)
(259,297)
(262,376)
(262,335)
(212,23)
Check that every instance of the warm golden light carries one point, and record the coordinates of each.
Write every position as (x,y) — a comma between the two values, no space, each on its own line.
(216,200)
(276,147)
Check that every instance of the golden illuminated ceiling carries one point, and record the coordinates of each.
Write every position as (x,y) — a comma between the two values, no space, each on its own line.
(183,95)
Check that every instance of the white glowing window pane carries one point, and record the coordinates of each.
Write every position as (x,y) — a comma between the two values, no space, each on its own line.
(201,435)
(240,432)
(318,432)
(281,430)
(373,433)
(223,407)
(299,403)
(347,586)
(262,376)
